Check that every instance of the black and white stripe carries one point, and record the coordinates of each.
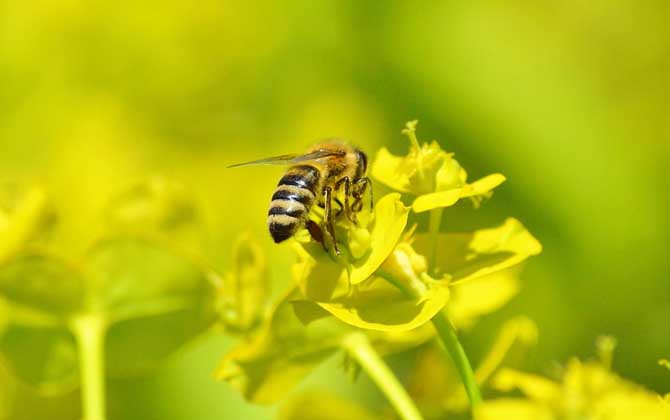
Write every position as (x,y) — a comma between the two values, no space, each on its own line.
(292,200)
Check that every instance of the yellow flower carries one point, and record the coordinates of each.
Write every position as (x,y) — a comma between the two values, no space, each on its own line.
(431,174)
(471,255)
(355,288)
(245,289)
(297,337)
(587,390)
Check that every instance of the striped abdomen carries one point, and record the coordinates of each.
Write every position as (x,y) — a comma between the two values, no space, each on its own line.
(292,200)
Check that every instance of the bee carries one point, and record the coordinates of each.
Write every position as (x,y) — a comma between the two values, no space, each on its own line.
(324,173)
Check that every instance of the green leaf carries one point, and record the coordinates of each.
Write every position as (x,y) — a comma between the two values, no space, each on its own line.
(133,286)
(41,289)
(467,256)
(44,358)
(138,286)
(157,204)
(130,277)
(40,294)
(138,345)
(157,208)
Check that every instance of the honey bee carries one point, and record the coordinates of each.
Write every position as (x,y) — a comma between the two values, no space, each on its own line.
(317,177)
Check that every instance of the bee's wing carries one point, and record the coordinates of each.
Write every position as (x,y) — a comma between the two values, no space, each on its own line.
(290,159)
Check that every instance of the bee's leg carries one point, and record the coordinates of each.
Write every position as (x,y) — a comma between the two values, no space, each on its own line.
(339,203)
(316,233)
(328,216)
(347,192)
(360,186)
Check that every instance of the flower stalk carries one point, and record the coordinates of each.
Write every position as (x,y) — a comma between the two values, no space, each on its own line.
(90,334)
(449,338)
(358,347)
(434,229)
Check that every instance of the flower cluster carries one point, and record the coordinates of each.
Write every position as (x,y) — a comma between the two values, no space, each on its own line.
(391,280)
(584,390)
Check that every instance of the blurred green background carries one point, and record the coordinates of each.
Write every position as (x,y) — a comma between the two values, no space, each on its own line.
(569,100)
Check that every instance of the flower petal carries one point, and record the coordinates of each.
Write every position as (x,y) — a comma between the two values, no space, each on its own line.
(386,169)
(471,300)
(467,256)
(513,408)
(483,185)
(451,196)
(381,306)
(389,223)
(436,200)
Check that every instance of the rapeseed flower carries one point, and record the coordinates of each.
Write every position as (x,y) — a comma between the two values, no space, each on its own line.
(245,289)
(430,174)
(585,391)
(389,288)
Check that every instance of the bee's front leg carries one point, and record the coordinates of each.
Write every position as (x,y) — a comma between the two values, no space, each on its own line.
(328,216)
(359,188)
(347,193)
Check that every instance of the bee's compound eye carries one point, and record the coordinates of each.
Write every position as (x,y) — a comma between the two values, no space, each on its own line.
(362,160)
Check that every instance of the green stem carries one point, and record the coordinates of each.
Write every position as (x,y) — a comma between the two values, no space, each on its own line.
(449,338)
(359,348)
(434,231)
(90,333)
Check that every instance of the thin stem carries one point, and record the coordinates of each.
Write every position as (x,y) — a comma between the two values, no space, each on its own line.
(434,230)
(90,334)
(449,338)
(359,348)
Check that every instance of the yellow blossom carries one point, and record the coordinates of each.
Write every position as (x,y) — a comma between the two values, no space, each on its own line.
(245,288)
(297,336)
(431,174)
(355,290)
(586,390)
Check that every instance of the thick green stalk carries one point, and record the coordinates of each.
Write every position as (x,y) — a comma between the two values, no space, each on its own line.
(90,334)
(359,348)
(449,338)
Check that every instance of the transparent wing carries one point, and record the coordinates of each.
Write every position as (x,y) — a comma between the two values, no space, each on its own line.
(291,159)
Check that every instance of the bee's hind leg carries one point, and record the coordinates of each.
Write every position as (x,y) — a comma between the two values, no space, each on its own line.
(316,233)
(328,217)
